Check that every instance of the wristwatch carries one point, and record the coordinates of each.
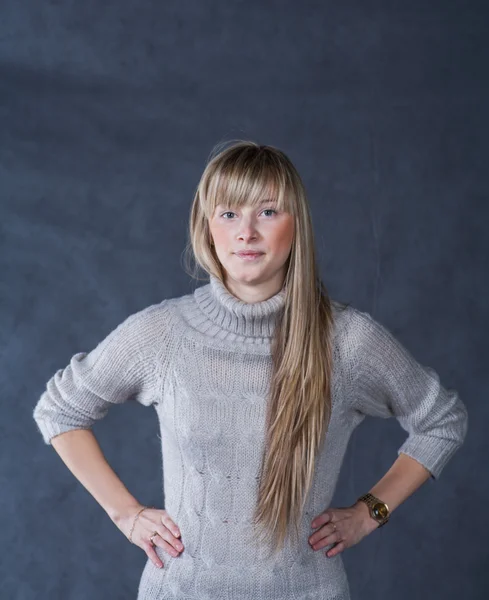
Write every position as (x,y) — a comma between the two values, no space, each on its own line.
(378,509)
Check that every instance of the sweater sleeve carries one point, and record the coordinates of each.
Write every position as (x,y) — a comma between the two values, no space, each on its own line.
(389,382)
(120,367)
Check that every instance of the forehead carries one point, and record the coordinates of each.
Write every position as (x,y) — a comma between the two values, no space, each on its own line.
(254,194)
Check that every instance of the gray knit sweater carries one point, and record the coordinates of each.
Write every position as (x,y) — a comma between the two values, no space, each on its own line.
(203,362)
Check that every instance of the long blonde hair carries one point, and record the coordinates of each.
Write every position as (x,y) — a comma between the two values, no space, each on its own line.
(299,403)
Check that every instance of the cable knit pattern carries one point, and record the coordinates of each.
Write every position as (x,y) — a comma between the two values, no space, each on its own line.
(203,362)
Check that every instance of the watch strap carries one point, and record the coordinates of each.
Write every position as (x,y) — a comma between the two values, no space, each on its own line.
(371,500)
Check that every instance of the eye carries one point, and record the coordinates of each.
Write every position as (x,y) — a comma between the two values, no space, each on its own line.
(230,212)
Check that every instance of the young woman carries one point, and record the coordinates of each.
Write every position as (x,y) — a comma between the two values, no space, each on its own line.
(258,379)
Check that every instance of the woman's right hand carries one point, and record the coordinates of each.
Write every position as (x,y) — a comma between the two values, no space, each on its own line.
(149,521)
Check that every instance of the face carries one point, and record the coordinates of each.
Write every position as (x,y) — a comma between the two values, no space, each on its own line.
(264,229)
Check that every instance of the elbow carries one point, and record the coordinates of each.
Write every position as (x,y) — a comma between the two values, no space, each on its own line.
(53,418)
(459,421)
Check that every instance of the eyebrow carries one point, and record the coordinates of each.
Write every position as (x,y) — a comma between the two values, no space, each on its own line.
(265,201)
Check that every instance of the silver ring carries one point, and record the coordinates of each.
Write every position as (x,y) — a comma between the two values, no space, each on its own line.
(151,538)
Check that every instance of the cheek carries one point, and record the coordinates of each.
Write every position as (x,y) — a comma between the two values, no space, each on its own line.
(219,235)
(284,235)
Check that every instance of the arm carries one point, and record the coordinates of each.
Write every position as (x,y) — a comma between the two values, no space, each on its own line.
(81,453)
(131,362)
(401,481)
(388,381)
(120,367)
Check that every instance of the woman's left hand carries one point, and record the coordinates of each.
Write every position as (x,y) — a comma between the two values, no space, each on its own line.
(343,527)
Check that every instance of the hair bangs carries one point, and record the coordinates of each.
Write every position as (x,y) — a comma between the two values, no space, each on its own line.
(249,180)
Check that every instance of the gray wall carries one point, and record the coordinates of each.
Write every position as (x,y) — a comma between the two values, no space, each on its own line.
(108,111)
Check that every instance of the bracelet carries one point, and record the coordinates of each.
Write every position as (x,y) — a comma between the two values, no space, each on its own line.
(134,522)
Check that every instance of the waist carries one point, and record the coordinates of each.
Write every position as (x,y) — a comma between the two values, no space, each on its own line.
(305,576)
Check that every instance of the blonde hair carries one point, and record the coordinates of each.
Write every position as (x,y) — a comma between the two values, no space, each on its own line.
(299,403)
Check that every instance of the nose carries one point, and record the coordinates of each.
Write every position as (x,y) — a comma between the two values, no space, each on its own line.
(247,231)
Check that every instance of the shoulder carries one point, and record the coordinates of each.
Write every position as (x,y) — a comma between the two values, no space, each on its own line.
(160,313)
(165,318)
(348,319)
(370,344)
(357,329)
(144,317)
(146,326)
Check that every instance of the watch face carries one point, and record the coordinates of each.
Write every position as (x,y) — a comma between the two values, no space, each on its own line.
(380,510)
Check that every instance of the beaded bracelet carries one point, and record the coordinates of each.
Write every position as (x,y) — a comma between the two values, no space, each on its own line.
(134,522)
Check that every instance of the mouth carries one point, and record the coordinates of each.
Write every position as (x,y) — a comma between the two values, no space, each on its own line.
(249,255)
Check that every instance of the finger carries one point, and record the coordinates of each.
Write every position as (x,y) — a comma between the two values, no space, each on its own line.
(150,551)
(164,545)
(336,550)
(167,522)
(325,537)
(167,534)
(321,519)
(166,540)
(324,531)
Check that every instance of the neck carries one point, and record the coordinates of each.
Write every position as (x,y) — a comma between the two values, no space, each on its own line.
(230,314)
(257,292)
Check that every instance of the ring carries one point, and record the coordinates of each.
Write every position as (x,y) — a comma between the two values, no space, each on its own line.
(334,525)
(151,538)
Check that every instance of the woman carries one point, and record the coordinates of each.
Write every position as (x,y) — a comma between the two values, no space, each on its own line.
(258,379)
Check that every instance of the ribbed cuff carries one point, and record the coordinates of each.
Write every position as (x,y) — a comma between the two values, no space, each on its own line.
(432,453)
(49,429)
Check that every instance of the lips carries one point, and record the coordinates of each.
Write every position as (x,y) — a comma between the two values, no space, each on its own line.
(249,257)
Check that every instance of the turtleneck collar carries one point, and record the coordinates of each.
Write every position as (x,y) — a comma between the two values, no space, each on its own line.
(229,313)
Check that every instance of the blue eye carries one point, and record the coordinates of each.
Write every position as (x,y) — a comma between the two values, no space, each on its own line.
(232,213)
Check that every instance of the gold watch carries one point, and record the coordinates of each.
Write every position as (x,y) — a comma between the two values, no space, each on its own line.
(378,509)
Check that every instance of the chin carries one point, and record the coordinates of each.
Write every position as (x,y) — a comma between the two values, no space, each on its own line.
(255,277)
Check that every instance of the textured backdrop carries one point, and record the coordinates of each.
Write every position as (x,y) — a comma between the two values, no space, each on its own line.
(108,112)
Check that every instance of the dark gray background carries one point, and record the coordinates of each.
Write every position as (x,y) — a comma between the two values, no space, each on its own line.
(108,112)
